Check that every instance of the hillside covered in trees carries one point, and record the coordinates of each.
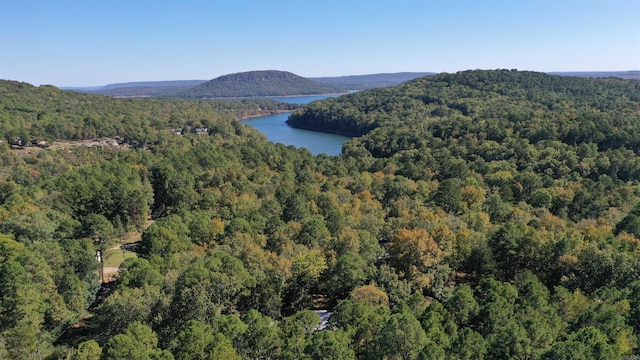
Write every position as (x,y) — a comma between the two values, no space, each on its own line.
(46,114)
(257,84)
(479,215)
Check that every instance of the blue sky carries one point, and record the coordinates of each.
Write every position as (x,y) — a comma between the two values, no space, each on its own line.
(96,42)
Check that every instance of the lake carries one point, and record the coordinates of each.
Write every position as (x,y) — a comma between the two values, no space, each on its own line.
(275,128)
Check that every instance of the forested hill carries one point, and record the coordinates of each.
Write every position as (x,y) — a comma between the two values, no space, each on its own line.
(491,105)
(257,84)
(46,114)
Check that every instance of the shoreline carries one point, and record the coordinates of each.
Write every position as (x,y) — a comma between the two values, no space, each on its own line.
(326,131)
(268,113)
(269,96)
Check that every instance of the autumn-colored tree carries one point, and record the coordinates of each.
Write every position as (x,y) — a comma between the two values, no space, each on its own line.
(414,251)
(307,268)
(371,294)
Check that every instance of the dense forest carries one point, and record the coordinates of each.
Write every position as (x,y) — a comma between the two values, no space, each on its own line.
(46,114)
(257,84)
(482,214)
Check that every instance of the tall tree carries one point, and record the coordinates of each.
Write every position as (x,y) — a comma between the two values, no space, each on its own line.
(402,337)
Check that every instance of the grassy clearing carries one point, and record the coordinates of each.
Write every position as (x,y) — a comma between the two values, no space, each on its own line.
(115,257)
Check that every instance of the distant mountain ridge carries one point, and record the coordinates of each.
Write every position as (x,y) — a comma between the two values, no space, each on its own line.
(140,88)
(257,84)
(631,74)
(154,83)
(340,83)
(370,81)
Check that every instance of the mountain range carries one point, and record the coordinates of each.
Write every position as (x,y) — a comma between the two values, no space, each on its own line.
(281,83)
(236,85)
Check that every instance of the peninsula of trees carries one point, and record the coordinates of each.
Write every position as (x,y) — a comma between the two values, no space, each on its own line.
(478,215)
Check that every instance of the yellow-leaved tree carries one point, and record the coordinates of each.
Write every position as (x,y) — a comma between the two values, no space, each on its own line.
(413,252)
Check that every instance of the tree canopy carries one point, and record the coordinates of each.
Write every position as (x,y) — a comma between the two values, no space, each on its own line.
(483,214)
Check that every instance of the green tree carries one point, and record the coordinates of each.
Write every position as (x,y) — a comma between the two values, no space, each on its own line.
(125,306)
(137,272)
(448,195)
(515,247)
(629,224)
(195,341)
(98,228)
(88,350)
(138,342)
(469,344)
(402,337)
(396,289)
(462,305)
(349,272)
(538,317)
(208,286)
(497,304)
(509,341)
(314,232)
(363,322)
(439,325)
(262,339)
(29,303)
(166,236)
(296,332)
(329,344)
(586,343)
(223,349)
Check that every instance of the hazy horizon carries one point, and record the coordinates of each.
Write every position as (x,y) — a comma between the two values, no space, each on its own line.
(313,77)
(74,43)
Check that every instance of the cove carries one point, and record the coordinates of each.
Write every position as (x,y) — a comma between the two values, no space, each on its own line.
(275,128)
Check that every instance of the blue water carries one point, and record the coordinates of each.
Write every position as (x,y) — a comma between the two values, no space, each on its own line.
(275,128)
(300,99)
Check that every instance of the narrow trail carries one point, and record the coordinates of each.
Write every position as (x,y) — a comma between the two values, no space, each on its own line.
(80,330)
(127,243)
(110,270)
